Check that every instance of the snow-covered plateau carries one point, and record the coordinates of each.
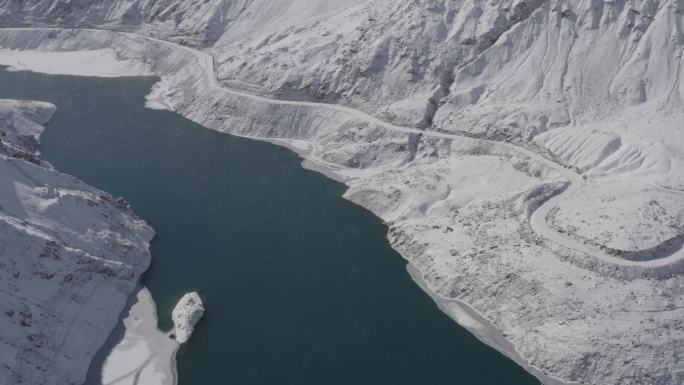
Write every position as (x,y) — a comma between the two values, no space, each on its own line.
(527,155)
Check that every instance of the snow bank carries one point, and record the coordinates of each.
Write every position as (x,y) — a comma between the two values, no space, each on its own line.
(99,62)
(145,355)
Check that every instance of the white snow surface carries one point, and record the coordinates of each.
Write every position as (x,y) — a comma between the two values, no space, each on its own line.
(145,355)
(100,62)
(527,154)
(185,315)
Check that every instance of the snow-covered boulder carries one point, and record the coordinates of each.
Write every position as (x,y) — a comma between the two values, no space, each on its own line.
(185,315)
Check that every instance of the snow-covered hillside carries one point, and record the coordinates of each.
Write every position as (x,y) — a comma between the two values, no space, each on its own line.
(70,255)
(528,155)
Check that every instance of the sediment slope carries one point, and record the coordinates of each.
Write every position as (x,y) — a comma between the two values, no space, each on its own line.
(70,255)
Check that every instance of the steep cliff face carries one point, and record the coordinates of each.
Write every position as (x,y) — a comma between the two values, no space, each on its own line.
(70,256)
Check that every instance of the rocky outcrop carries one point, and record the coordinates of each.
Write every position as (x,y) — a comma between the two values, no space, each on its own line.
(185,315)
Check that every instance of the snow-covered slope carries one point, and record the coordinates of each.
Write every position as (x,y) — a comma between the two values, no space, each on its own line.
(527,154)
(70,255)
(192,21)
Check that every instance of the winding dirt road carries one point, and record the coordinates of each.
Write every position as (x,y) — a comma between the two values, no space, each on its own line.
(538,219)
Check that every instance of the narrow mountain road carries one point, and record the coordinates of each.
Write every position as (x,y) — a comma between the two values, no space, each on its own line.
(538,219)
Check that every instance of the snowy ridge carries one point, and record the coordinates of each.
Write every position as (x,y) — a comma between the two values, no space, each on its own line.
(522,226)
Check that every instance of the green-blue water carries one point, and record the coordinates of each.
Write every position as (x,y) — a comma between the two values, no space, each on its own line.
(301,286)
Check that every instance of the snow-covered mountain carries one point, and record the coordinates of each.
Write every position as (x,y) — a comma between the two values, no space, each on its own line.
(70,255)
(528,155)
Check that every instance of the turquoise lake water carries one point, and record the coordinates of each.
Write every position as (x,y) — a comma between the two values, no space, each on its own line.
(301,286)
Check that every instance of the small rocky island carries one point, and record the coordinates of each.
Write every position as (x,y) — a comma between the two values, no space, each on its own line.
(185,315)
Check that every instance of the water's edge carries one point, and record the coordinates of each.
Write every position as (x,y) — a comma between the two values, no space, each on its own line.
(480,326)
(147,306)
(324,169)
(94,376)
(483,328)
